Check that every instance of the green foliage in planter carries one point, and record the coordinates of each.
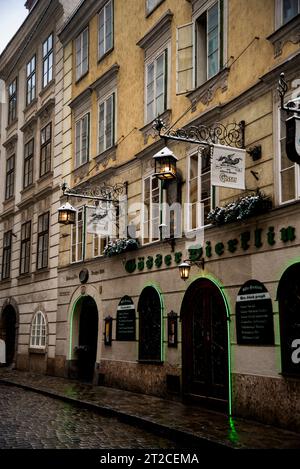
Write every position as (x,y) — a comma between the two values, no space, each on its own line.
(113,248)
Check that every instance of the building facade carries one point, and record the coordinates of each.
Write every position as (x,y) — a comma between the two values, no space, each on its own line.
(227,337)
(31,67)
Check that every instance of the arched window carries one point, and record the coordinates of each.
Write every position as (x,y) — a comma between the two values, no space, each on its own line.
(288,295)
(38,331)
(150,329)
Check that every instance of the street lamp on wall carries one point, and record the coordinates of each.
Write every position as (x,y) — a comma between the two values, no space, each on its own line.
(67,214)
(165,164)
(185,267)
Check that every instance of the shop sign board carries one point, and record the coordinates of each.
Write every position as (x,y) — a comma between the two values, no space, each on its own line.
(125,329)
(254,315)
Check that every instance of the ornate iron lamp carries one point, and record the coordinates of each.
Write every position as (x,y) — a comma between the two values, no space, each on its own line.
(184,270)
(67,214)
(165,164)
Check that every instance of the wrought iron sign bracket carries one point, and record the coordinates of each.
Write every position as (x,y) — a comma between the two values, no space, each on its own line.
(292,106)
(231,134)
(103,193)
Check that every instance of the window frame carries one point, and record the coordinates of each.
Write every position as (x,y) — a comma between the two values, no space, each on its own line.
(152,60)
(75,242)
(150,212)
(40,326)
(43,234)
(47,160)
(29,79)
(103,10)
(25,246)
(280,14)
(28,164)
(199,213)
(12,101)
(148,9)
(104,101)
(6,255)
(80,119)
(79,66)
(46,60)
(10,178)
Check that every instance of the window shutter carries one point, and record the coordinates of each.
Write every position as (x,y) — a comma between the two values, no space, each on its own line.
(184,43)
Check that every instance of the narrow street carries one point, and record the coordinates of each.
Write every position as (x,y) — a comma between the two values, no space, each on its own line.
(33,421)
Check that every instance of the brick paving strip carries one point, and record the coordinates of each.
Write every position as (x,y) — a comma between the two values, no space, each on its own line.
(198,427)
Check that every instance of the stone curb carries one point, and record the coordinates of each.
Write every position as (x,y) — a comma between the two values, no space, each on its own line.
(182,436)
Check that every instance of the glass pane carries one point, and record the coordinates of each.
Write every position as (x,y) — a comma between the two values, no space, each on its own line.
(194,166)
(193,191)
(212,17)
(213,67)
(285,162)
(101,128)
(288,184)
(289,10)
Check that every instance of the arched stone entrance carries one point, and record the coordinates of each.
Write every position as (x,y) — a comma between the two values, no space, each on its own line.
(8,327)
(84,337)
(205,345)
(288,295)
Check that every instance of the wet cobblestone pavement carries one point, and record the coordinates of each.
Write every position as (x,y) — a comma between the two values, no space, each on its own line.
(171,417)
(33,421)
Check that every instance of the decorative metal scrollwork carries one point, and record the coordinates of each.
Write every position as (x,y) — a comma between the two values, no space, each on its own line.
(104,193)
(230,134)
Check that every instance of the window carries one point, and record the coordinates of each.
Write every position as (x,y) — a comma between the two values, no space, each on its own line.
(43,241)
(107,123)
(38,331)
(10,177)
(45,158)
(99,243)
(200,47)
(25,248)
(289,9)
(289,173)
(151,5)
(199,190)
(156,86)
(82,140)
(82,53)
(105,35)
(77,237)
(47,60)
(28,163)
(208,44)
(30,83)
(151,209)
(6,257)
(12,101)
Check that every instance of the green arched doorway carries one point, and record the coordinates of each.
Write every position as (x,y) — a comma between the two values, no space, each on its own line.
(84,337)
(205,345)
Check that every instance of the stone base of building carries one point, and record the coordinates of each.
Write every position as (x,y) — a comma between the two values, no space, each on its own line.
(274,401)
(158,380)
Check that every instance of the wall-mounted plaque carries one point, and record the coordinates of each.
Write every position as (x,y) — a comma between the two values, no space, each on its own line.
(172,329)
(125,329)
(108,330)
(254,315)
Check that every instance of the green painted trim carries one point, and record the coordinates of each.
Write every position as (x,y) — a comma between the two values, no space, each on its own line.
(226,299)
(71,326)
(156,286)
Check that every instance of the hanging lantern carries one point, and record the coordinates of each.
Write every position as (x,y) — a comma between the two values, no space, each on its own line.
(165,164)
(184,270)
(67,214)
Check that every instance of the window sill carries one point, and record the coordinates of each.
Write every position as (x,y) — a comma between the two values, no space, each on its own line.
(6,281)
(11,125)
(38,351)
(30,106)
(109,154)
(289,32)
(45,177)
(41,273)
(207,90)
(100,59)
(27,189)
(81,171)
(78,80)
(47,87)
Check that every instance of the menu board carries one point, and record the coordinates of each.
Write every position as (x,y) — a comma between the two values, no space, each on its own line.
(125,329)
(254,315)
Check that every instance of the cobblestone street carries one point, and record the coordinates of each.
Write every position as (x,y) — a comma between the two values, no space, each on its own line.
(31,420)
